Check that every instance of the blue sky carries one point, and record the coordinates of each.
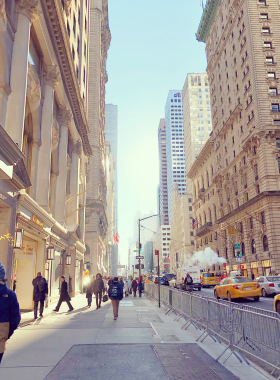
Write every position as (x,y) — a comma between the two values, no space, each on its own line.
(152,50)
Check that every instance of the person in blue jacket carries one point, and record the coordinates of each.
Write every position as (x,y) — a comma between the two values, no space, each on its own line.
(115,293)
(9,311)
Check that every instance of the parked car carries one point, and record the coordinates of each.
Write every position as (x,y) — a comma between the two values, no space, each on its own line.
(269,285)
(237,287)
(277,303)
(161,280)
(208,279)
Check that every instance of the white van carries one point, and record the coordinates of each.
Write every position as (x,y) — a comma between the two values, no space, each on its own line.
(194,272)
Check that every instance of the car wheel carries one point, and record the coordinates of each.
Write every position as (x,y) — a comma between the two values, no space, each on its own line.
(277,306)
(256,298)
(229,296)
(264,294)
(216,295)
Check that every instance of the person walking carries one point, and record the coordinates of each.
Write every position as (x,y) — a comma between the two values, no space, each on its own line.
(134,287)
(40,291)
(115,293)
(126,288)
(110,280)
(64,295)
(98,289)
(188,281)
(105,284)
(140,288)
(9,311)
(89,290)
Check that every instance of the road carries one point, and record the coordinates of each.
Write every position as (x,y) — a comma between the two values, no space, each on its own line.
(264,302)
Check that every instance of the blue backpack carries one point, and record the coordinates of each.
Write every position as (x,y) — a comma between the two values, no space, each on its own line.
(115,291)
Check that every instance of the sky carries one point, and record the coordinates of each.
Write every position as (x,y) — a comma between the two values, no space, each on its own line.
(153,48)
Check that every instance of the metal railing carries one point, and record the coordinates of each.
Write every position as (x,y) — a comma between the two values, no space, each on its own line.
(246,331)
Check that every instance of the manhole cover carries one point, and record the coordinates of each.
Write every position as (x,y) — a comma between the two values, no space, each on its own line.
(165,338)
(149,318)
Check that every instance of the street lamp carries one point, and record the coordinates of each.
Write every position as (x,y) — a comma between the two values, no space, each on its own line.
(50,253)
(18,238)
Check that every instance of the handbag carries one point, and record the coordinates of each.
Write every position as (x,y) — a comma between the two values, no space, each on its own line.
(105,298)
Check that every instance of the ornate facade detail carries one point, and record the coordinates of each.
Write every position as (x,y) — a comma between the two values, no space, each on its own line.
(67,7)
(55,138)
(68,162)
(77,148)
(34,92)
(51,75)
(65,118)
(28,8)
(2,9)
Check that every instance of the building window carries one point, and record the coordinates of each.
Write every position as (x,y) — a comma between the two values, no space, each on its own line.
(275,107)
(251,223)
(68,29)
(264,16)
(243,249)
(262,217)
(267,45)
(226,253)
(265,243)
(74,25)
(271,75)
(253,246)
(269,60)
(279,164)
(265,30)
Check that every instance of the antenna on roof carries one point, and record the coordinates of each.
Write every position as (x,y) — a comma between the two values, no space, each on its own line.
(201,4)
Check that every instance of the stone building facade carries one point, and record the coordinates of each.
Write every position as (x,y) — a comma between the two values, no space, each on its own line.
(44,139)
(96,215)
(242,48)
(181,245)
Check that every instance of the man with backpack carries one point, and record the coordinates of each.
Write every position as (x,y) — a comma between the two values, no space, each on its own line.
(40,291)
(188,281)
(115,293)
(98,289)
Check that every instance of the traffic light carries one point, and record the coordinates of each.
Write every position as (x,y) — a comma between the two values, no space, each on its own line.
(142,266)
(140,247)
(137,266)
(239,254)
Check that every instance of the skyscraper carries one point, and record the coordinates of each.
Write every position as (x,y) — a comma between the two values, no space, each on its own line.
(175,150)
(196,116)
(111,135)
(163,193)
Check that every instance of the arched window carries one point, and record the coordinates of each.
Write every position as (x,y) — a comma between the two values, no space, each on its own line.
(215,213)
(226,253)
(202,182)
(265,243)
(243,249)
(233,251)
(253,246)
(212,170)
(207,179)
(210,216)
(218,253)
(200,224)
(205,219)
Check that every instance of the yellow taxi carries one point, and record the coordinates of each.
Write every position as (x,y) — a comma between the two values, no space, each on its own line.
(277,303)
(149,279)
(208,279)
(237,287)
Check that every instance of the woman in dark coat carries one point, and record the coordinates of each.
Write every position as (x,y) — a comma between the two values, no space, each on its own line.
(98,289)
(134,287)
(89,291)
(140,288)
(64,296)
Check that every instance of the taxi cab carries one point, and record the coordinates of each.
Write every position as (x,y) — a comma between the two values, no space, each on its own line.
(237,287)
(208,279)
(277,303)
(149,279)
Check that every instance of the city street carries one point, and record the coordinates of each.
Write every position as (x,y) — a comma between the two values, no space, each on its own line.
(264,302)
(142,343)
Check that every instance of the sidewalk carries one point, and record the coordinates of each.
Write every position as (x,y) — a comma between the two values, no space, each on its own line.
(142,343)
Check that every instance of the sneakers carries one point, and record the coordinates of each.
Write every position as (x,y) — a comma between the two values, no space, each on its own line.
(115,318)
(70,310)
(55,310)
(41,315)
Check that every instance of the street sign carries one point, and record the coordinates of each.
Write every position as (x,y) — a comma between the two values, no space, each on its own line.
(236,246)
(136,250)
(238,259)
(139,257)
(157,252)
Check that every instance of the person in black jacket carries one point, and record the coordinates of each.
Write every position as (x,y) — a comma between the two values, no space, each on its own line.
(188,281)
(64,296)
(89,290)
(115,293)
(98,289)
(40,291)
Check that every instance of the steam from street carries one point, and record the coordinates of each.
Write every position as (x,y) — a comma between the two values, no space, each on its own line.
(206,258)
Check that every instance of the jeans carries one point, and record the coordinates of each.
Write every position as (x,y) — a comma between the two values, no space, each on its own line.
(60,302)
(1,356)
(98,298)
(89,300)
(36,303)
(140,292)
(115,304)
(134,291)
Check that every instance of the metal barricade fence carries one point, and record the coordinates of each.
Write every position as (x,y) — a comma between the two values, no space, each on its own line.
(164,295)
(219,320)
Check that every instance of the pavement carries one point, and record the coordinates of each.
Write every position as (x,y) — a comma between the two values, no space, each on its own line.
(142,343)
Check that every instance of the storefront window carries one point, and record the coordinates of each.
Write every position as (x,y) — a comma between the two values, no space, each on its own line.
(265,243)
(55,273)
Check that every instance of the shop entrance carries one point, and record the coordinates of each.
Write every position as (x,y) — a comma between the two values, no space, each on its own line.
(254,269)
(25,262)
(266,265)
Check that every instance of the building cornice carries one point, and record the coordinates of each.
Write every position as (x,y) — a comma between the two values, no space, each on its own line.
(201,157)
(53,10)
(207,20)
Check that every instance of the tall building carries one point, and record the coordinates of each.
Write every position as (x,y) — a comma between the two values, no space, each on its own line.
(44,143)
(96,214)
(175,150)
(163,191)
(111,135)
(197,117)
(237,181)
(161,240)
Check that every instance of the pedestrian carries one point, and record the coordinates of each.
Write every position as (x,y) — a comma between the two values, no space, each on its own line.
(115,293)
(40,291)
(188,281)
(121,282)
(110,280)
(64,295)
(126,288)
(98,289)
(89,290)
(129,286)
(140,288)
(105,284)
(134,287)
(9,311)
(252,276)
